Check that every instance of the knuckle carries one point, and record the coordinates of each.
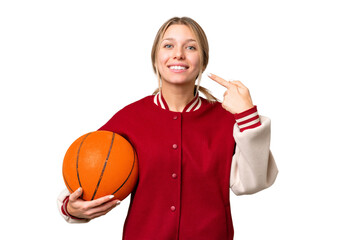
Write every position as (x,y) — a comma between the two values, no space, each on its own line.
(84,208)
(89,213)
(233,87)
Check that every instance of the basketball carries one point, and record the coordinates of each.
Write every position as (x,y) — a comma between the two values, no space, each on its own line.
(102,163)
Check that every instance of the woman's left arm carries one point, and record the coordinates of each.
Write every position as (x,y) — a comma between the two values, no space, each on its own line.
(253,167)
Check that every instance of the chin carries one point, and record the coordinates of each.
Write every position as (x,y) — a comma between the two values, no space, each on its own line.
(180,81)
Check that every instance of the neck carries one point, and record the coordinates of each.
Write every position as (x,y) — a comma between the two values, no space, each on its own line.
(177,97)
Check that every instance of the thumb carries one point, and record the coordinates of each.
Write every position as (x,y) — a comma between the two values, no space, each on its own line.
(75,195)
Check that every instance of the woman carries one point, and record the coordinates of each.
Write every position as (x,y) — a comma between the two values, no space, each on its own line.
(190,149)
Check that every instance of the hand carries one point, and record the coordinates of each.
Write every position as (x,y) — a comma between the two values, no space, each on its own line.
(237,97)
(90,209)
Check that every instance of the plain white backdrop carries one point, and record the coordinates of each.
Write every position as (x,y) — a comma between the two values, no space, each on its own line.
(67,66)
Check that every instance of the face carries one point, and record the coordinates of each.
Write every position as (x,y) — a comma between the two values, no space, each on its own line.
(178,59)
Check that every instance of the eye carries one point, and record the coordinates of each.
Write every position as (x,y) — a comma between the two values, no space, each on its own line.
(167,46)
(191,48)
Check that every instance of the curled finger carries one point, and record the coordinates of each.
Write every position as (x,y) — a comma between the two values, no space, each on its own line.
(102,210)
(100,201)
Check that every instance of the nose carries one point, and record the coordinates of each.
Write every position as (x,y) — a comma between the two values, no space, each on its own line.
(179,53)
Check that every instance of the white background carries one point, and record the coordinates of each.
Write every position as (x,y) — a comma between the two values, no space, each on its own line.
(67,66)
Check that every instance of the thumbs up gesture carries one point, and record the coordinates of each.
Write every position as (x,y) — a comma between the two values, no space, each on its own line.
(237,97)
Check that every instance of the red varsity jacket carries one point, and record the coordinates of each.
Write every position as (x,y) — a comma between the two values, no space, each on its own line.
(187,163)
(184,171)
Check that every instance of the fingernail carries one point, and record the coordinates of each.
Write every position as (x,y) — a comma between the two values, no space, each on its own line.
(118,202)
(209,74)
(79,189)
(111,196)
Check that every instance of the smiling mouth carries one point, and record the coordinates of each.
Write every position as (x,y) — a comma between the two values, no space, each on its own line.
(178,67)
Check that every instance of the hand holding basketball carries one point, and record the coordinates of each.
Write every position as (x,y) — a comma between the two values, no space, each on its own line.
(90,209)
(236,98)
(103,167)
(102,163)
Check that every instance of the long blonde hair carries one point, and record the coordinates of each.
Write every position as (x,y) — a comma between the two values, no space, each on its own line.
(203,48)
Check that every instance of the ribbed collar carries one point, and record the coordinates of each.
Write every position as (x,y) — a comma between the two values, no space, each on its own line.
(192,106)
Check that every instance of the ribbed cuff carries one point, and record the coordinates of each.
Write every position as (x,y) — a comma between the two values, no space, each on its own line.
(248,119)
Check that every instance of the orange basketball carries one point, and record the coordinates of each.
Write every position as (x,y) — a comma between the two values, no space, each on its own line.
(102,163)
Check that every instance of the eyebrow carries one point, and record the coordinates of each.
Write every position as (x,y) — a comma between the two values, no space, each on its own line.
(172,39)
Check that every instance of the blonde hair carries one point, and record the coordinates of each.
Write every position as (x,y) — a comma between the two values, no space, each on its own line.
(203,48)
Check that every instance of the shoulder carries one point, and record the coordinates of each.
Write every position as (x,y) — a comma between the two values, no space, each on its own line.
(128,114)
(136,106)
(140,103)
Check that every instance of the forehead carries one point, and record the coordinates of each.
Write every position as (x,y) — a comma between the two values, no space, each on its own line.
(179,32)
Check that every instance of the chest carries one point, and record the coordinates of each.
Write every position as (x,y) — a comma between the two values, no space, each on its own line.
(175,143)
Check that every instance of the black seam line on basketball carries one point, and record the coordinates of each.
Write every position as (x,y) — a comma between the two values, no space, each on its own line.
(77,159)
(102,172)
(132,168)
(66,183)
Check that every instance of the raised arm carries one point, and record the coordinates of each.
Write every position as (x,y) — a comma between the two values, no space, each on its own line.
(253,167)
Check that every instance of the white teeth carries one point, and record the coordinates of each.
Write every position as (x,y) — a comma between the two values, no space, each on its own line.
(177,67)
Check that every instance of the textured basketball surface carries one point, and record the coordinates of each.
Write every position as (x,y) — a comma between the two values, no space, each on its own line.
(102,163)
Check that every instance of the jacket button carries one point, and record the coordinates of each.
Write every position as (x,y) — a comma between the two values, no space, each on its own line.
(173,208)
(175,117)
(175,146)
(174,175)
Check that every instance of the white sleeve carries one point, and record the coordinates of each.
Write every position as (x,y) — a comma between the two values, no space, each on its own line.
(253,167)
(63,212)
